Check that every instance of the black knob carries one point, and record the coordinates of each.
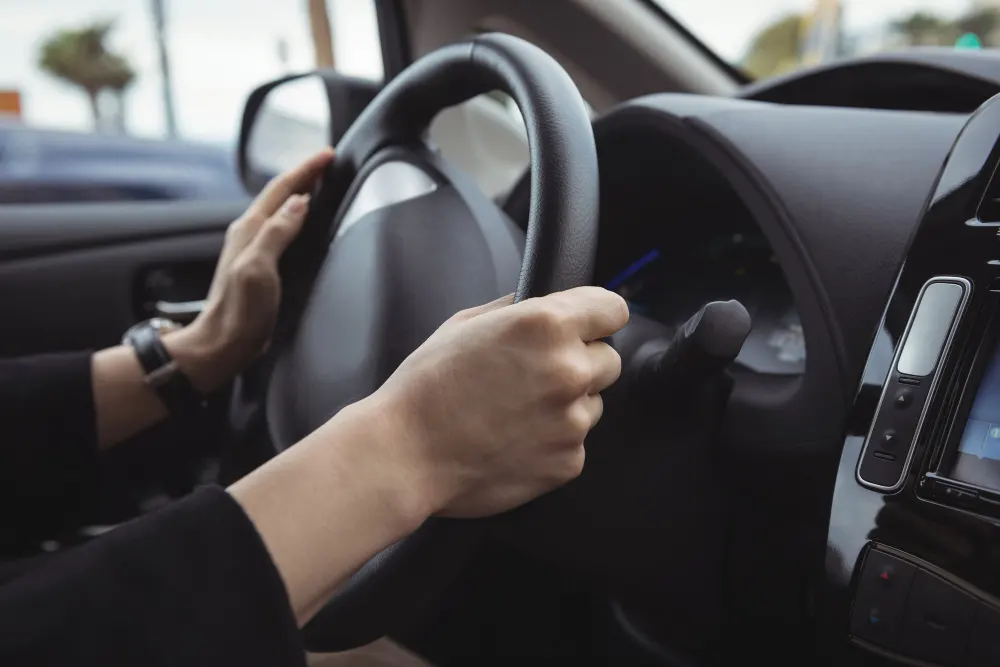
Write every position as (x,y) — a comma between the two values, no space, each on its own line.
(702,347)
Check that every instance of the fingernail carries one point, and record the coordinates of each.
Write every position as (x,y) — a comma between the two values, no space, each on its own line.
(296,204)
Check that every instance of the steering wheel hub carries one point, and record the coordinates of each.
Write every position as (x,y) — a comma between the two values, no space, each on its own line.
(392,276)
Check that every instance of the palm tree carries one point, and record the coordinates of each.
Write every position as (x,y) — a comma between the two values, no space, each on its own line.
(81,57)
(923,29)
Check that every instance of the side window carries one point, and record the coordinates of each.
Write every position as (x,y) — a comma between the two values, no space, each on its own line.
(126,100)
(486,137)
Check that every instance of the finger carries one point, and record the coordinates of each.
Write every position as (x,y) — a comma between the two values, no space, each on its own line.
(597,312)
(594,406)
(606,365)
(496,304)
(281,228)
(280,188)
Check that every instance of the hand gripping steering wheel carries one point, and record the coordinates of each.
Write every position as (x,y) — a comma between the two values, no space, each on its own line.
(397,242)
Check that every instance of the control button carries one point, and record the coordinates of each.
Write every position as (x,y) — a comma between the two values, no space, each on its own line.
(881,472)
(884,457)
(930,327)
(903,399)
(984,640)
(959,496)
(937,622)
(881,599)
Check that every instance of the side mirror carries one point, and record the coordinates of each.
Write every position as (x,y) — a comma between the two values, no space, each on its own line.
(289,119)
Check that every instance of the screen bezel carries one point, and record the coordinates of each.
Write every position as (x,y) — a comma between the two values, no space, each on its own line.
(966,377)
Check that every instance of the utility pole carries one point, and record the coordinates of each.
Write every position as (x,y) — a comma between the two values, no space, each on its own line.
(159,22)
(319,24)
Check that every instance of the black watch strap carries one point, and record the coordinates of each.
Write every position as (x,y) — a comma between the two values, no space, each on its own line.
(162,373)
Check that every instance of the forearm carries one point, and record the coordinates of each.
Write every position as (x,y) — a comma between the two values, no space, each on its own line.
(236,323)
(332,502)
(188,585)
(125,404)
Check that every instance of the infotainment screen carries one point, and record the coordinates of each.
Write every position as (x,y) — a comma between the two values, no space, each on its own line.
(978,460)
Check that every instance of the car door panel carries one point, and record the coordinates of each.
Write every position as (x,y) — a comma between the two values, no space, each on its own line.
(39,229)
(75,277)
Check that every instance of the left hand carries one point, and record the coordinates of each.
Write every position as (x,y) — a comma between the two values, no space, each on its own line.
(242,303)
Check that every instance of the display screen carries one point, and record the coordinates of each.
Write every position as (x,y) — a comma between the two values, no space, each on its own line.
(978,460)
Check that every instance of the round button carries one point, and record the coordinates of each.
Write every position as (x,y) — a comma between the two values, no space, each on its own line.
(903,399)
(888,439)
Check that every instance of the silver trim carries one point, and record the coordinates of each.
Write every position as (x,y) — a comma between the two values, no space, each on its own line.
(180,311)
(389,183)
(967,291)
(922,350)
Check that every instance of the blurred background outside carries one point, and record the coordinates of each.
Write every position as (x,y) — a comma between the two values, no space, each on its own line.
(107,100)
(770,37)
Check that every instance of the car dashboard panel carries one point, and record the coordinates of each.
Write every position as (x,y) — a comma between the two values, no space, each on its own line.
(789,210)
(915,523)
(805,215)
(668,283)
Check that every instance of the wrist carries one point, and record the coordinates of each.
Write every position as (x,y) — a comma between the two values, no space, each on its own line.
(200,359)
(379,448)
(331,502)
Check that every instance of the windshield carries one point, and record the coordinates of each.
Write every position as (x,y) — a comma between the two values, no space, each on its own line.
(768,37)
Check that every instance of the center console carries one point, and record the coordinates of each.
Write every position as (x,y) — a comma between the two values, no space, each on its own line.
(913,549)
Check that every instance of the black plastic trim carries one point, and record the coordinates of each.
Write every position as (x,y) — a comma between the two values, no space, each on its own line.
(928,397)
(393,32)
(37,230)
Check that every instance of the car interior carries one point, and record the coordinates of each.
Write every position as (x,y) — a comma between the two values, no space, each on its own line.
(797,464)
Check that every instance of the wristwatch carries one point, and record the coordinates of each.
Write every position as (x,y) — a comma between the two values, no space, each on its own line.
(162,373)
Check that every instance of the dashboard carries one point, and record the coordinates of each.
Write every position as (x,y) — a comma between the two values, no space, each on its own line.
(859,453)
(791,210)
(806,215)
(668,284)
(675,235)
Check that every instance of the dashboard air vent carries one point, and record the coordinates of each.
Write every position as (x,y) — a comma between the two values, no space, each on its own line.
(989,208)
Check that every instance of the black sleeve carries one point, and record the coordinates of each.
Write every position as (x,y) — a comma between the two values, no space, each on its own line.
(190,585)
(48,443)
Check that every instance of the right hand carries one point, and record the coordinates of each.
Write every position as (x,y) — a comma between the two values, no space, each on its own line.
(492,410)
(489,413)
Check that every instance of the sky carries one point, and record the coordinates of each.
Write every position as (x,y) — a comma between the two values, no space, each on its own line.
(221,49)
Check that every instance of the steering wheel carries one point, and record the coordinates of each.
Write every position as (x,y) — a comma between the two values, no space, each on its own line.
(397,242)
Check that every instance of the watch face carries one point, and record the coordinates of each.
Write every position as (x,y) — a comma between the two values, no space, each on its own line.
(161,324)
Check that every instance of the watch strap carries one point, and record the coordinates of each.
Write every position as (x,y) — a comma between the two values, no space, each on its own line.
(162,373)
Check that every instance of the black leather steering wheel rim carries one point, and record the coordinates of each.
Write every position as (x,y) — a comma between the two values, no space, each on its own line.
(559,253)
